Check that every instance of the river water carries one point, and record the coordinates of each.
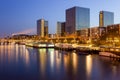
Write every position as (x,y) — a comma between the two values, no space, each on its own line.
(18,62)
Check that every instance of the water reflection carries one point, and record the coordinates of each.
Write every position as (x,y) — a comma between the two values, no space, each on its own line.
(19,61)
(17,52)
(114,70)
(14,53)
(51,52)
(42,60)
(88,65)
(27,57)
(58,61)
(75,62)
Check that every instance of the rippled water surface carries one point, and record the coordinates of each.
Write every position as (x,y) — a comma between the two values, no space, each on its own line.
(18,62)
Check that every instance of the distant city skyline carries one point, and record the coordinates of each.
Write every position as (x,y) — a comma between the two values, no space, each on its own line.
(21,15)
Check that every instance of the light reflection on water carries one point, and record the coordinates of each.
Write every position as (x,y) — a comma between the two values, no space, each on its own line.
(75,62)
(89,65)
(18,62)
(42,59)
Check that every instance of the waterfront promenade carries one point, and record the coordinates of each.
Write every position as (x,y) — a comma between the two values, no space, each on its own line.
(84,48)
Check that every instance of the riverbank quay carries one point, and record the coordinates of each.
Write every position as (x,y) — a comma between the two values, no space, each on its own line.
(5,43)
(114,50)
(20,43)
(111,49)
(80,49)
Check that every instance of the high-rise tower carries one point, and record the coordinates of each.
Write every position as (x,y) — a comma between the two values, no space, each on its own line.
(77,18)
(42,28)
(106,18)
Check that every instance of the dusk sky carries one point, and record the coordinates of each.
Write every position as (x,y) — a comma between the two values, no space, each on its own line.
(17,16)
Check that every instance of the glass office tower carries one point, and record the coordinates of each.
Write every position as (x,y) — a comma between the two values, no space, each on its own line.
(60,29)
(42,28)
(106,18)
(77,18)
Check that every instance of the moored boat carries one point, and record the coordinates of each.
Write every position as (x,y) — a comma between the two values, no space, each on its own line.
(108,54)
(40,45)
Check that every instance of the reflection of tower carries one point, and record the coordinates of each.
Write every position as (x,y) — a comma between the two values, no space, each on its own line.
(52,56)
(106,18)
(41,61)
(88,66)
(42,28)
(75,62)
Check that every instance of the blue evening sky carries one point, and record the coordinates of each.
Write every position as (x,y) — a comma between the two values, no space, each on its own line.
(20,15)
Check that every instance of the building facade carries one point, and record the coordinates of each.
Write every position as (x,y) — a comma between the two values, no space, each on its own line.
(106,18)
(113,34)
(77,18)
(85,32)
(97,32)
(42,28)
(113,29)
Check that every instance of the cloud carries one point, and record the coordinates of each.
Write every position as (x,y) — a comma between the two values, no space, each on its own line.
(28,31)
